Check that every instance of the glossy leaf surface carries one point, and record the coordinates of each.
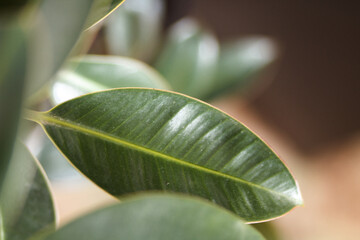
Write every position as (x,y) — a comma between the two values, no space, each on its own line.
(188,60)
(240,61)
(159,217)
(26,203)
(129,140)
(134,29)
(57,168)
(94,73)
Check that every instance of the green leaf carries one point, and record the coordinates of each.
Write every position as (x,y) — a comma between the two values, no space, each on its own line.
(189,59)
(57,168)
(54,28)
(240,62)
(268,230)
(12,77)
(101,9)
(52,36)
(129,140)
(94,73)
(134,30)
(158,217)
(26,203)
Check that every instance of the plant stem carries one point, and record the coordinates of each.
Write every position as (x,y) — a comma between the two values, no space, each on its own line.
(32,115)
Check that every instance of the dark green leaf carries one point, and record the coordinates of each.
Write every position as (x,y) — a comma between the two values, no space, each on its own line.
(95,73)
(57,168)
(134,29)
(241,61)
(12,78)
(158,217)
(129,140)
(189,59)
(25,201)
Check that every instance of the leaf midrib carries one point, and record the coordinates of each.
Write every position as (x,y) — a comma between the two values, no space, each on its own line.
(44,118)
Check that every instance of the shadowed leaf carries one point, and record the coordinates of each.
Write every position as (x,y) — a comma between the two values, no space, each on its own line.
(158,217)
(54,29)
(25,202)
(12,78)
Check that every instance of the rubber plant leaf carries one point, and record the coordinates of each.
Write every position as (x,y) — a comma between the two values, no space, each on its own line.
(240,63)
(94,73)
(189,58)
(54,28)
(158,217)
(133,139)
(12,78)
(25,201)
(100,10)
(134,29)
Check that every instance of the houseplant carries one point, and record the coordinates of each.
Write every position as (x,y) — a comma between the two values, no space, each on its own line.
(127,140)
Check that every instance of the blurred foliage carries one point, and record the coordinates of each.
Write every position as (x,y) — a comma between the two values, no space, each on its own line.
(191,59)
(134,30)
(268,230)
(9,7)
(26,201)
(13,51)
(92,73)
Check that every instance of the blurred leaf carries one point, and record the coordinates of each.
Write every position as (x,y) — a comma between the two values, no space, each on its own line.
(52,36)
(159,217)
(25,201)
(12,76)
(241,61)
(54,29)
(189,59)
(129,140)
(101,9)
(268,230)
(134,29)
(93,73)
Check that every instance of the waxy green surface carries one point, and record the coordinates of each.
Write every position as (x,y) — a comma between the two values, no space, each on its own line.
(158,217)
(129,140)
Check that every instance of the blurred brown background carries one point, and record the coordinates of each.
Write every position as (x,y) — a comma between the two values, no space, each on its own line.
(315,95)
